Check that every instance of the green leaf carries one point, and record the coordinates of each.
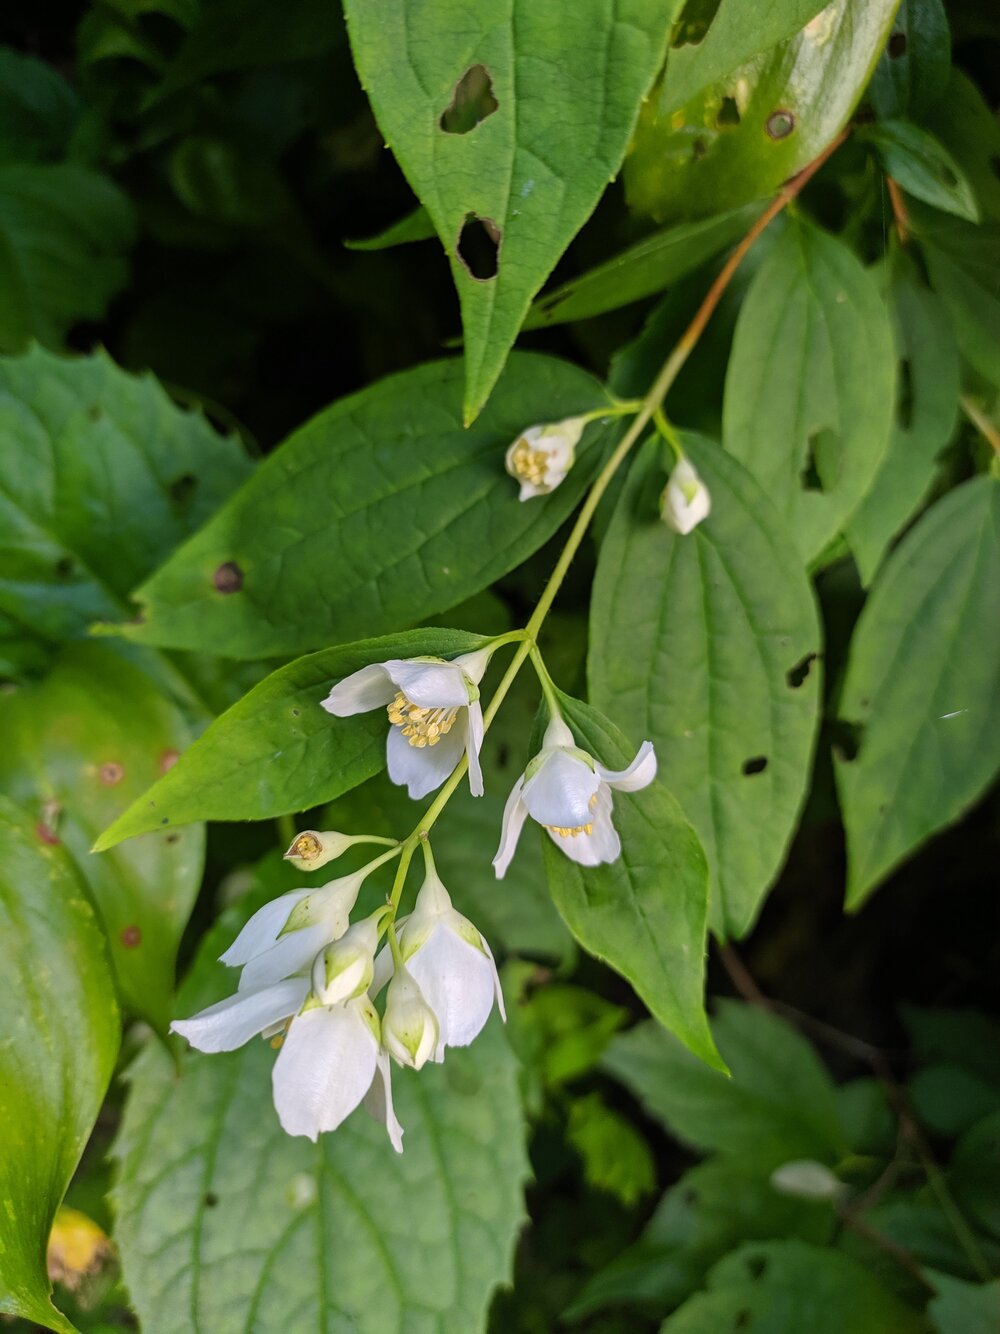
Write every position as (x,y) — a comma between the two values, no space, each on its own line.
(971,133)
(225,1223)
(742,136)
(642,270)
(974,1174)
(913,72)
(927,387)
(64,234)
(277,750)
(377,513)
(734,37)
(923,167)
(615,1156)
(706,644)
(779,1105)
(964,1308)
(61,1033)
(644,914)
(80,747)
(415,226)
(520,183)
(79,438)
(964,266)
(922,686)
(38,109)
(788,1285)
(809,389)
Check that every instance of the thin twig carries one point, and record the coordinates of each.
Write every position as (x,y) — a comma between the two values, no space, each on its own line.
(899,211)
(980,421)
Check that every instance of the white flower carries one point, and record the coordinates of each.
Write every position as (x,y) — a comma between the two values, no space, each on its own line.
(542,455)
(314,848)
(345,968)
(409,1026)
(234,1021)
(329,1063)
(434,712)
(685,500)
(569,794)
(451,963)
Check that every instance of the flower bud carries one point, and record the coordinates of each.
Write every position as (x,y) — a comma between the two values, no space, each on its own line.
(807,1180)
(542,455)
(310,850)
(685,501)
(345,968)
(409,1028)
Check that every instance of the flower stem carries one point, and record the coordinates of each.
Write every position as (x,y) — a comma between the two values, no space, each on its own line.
(546,682)
(669,434)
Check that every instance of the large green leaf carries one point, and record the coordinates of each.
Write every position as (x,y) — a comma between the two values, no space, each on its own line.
(277,750)
(642,270)
(697,58)
(61,1033)
(779,1286)
(964,1308)
(38,109)
(964,266)
(225,1224)
(380,511)
(927,389)
(779,1105)
(971,132)
(923,686)
(79,748)
(560,87)
(741,137)
(922,165)
(809,389)
(706,644)
(912,74)
(64,235)
(644,914)
(100,477)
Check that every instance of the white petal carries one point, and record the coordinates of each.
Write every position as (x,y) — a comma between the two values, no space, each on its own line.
(263,929)
(474,664)
(496,981)
(457,982)
(514,815)
(432,685)
(370,688)
(378,1100)
(639,774)
(324,1069)
(383,969)
(473,745)
(235,1020)
(293,953)
(560,790)
(601,845)
(557,734)
(421,769)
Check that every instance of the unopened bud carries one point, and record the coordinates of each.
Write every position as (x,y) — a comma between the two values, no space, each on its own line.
(807,1180)
(310,850)
(409,1026)
(685,501)
(345,968)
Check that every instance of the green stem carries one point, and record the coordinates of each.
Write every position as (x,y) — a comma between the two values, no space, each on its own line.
(546,682)
(668,433)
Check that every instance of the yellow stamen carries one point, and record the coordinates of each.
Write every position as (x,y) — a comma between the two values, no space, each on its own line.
(570,833)
(307,846)
(421,726)
(529,465)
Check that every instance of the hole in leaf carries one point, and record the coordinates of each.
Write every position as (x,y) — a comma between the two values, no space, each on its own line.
(64,567)
(756,765)
(757,1265)
(904,401)
(699,148)
(182,489)
(228,578)
(479,247)
(131,936)
(795,676)
(780,124)
(296,713)
(211,1199)
(897,45)
(172,838)
(693,22)
(811,480)
(847,739)
(471,102)
(729,113)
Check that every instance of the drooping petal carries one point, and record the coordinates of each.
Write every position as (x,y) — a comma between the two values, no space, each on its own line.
(602,844)
(324,1069)
(559,792)
(473,743)
(457,982)
(235,1020)
(432,685)
(639,774)
(263,929)
(514,815)
(421,769)
(293,953)
(364,690)
(498,989)
(378,1100)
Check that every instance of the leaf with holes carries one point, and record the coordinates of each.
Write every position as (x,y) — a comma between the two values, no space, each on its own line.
(277,750)
(644,914)
(809,387)
(971,133)
(923,167)
(697,58)
(922,690)
(81,441)
(61,1034)
(707,644)
(912,74)
(743,136)
(79,748)
(475,104)
(926,414)
(225,1223)
(773,1287)
(377,513)
(964,266)
(779,1105)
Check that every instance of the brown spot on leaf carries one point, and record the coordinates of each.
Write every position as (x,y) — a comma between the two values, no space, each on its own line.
(47,834)
(167,760)
(111,773)
(780,124)
(228,578)
(131,936)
